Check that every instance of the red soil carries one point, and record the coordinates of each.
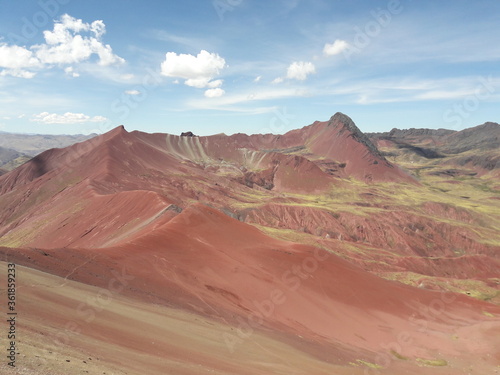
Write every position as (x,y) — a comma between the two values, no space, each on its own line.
(213,265)
(110,208)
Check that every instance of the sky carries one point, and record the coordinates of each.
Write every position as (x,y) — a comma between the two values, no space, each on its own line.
(246,66)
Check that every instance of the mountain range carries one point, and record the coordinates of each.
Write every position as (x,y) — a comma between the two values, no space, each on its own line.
(321,251)
(16,149)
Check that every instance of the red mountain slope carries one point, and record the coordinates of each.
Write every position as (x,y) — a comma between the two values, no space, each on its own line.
(208,263)
(160,211)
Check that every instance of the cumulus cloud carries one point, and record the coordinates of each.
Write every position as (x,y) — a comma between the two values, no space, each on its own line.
(65,45)
(15,57)
(67,118)
(300,70)
(214,93)
(71,72)
(15,60)
(338,46)
(133,92)
(197,71)
(71,41)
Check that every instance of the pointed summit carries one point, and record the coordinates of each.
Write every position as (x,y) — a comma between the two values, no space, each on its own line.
(120,129)
(345,123)
(341,141)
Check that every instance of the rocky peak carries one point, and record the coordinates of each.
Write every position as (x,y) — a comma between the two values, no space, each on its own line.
(344,123)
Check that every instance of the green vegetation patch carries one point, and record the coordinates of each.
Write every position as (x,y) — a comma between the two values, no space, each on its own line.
(398,356)
(432,362)
(368,364)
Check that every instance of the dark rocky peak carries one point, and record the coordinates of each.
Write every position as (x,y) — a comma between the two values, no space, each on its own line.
(344,123)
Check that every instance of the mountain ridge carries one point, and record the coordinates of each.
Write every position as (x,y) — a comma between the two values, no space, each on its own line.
(313,239)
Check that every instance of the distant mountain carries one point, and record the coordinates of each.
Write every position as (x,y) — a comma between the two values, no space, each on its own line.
(476,148)
(481,137)
(33,144)
(15,148)
(9,157)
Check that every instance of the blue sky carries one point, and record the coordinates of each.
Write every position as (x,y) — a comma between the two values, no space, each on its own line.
(251,66)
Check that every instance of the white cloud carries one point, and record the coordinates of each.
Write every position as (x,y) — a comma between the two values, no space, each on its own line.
(198,71)
(216,83)
(335,48)
(71,72)
(238,102)
(15,60)
(257,79)
(67,118)
(300,70)
(15,57)
(132,92)
(63,45)
(19,73)
(214,93)
(203,82)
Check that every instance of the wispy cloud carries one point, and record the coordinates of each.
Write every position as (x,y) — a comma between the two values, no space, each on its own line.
(188,42)
(214,93)
(250,101)
(379,91)
(66,118)
(416,38)
(132,92)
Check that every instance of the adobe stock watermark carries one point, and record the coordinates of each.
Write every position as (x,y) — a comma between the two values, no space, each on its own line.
(31,26)
(223,6)
(264,309)
(471,103)
(278,123)
(404,339)
(131,100)
(381,19)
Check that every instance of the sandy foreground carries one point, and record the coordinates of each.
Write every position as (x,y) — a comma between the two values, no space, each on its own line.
(66,327)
